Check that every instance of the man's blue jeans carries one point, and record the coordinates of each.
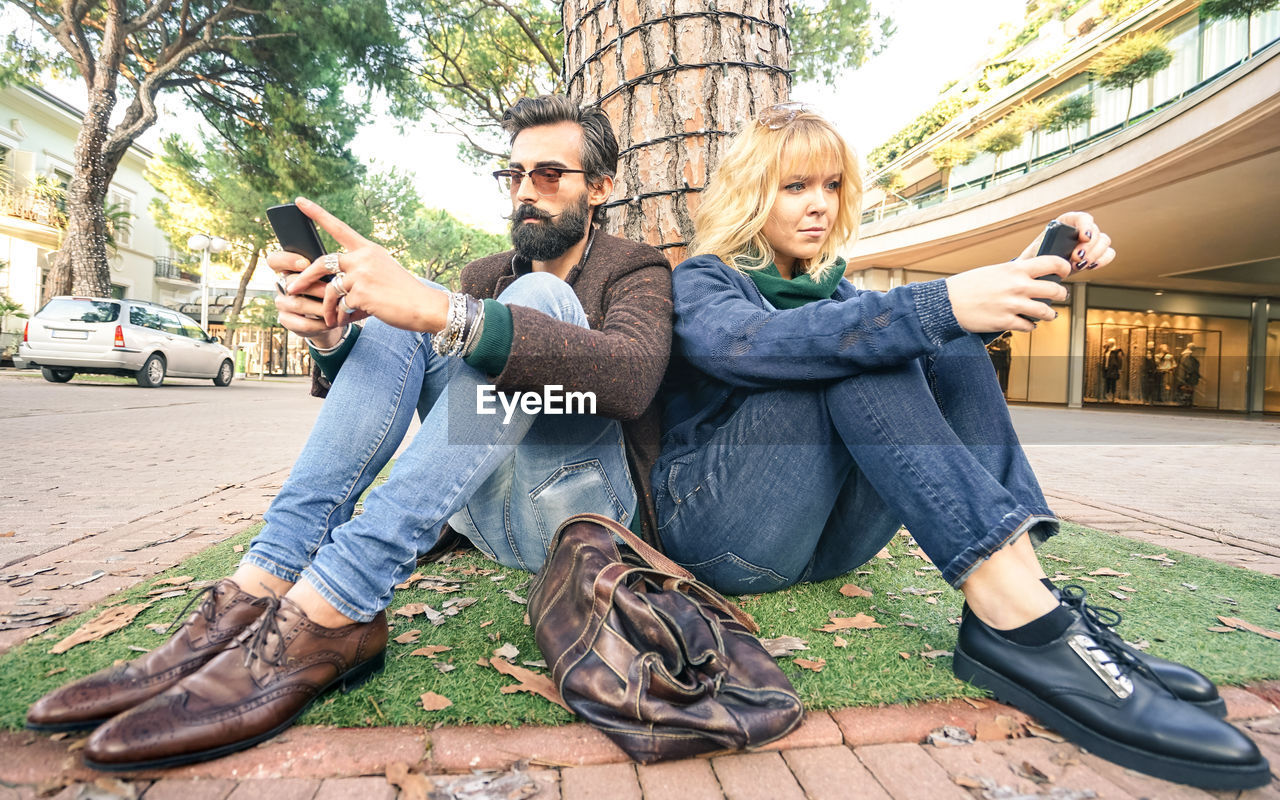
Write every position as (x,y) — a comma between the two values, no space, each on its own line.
(506,485)
(803,484)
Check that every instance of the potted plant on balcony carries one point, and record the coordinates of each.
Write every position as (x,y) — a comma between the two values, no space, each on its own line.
(1068,113)
(999,138)
(1131,61)
(948,155)
(1238,9)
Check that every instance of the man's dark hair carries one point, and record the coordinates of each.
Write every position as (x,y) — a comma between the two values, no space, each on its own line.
(599,147)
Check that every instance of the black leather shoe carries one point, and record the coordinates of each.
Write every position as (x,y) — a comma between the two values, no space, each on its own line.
(1089,690)
(1185,683)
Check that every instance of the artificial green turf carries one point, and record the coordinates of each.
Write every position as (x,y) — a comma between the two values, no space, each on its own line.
(870,669)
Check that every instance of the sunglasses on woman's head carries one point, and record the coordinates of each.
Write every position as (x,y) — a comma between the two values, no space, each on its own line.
(780,115)
(546,180)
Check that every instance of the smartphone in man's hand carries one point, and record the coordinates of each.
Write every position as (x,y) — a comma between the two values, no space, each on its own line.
(296,232)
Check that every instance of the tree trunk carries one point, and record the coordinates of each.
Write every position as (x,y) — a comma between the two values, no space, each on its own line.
(676,85)
(245,277)
(81,267)
(946,182)
(1128,110)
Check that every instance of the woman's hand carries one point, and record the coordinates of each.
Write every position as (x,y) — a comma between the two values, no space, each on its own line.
(990,299)
(370,283)
(1093,248)
(995,298)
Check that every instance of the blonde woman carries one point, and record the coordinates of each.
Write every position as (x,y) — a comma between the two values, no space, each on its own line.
(806,421)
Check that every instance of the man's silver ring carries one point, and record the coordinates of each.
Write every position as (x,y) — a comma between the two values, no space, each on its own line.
(331,263)
(346,309)
(337,283)
(282,283)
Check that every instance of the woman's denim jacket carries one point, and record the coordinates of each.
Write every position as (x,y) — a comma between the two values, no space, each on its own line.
(730,341)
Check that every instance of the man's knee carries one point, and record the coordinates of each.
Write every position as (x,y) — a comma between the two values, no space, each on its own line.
(546,293)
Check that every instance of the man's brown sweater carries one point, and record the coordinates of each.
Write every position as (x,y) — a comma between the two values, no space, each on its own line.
(625,289)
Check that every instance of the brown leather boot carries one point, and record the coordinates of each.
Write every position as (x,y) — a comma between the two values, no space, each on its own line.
(251,691)
(225,613)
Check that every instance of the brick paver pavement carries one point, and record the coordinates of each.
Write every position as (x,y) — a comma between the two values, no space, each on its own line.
(1198,484)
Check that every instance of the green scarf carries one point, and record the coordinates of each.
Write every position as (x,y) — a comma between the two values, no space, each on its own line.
(798,291)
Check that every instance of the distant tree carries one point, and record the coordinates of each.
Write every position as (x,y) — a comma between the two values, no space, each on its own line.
(999,138)
(250,67)
(1238,9)
(948,155)
(1131,61)
(1070,112)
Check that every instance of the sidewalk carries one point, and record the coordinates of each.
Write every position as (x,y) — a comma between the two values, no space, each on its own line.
(874,753)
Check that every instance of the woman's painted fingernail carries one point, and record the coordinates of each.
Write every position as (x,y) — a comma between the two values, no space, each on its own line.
(1088,234)
(1093,265)
(1081,264)
(1080,253)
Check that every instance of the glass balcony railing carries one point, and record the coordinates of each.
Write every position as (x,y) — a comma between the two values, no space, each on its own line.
(28,204)
(175,271)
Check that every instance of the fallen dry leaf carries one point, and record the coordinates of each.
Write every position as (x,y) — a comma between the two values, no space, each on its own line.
(238,548)
(815,666)
(412,786)
(918,553)
(8,534)
(507,651)
(417,576)
(1043,733)
(181,580)
(431,650)
(970,782)
(1117,595)
(1245,625)
(434,702)
(1108,572)
(109,621)
(860,622)
(409,637)
(905,656)
(850,590)
(884,553)
(529,682)
(978,704)
(784,645)
(443,667)
(1031,772)
(1220,629)
(515,598)
(1002,727)
(411,610)
(936,653)
(485,624)
(1056,558)
(55,671)
(840,641)
(949,736)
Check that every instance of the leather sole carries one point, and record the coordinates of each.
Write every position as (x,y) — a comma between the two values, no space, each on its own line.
(64,727)
(1178,770)
(352,679)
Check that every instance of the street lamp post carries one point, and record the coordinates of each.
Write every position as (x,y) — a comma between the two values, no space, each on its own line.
(206,244)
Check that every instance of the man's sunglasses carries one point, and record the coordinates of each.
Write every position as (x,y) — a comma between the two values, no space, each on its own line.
(546,180)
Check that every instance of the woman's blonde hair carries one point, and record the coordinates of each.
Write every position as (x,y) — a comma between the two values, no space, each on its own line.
(730,220)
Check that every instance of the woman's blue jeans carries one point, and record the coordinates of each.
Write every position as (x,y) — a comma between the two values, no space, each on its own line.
(505,484)
(803,484)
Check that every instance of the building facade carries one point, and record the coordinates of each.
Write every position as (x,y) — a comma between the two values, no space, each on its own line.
(1188,316)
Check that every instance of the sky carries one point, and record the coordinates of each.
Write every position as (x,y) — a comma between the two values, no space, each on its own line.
(936,41)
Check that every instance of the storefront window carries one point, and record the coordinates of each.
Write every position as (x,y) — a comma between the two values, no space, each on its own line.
(1186,361)
(1271,401)
(1032,367)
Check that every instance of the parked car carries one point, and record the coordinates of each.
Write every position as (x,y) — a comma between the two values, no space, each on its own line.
(134,338)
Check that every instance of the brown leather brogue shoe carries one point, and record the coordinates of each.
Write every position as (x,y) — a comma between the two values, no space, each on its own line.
(223,614)
(251,691)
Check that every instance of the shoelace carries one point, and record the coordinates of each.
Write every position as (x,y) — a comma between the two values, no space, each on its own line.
(208,609)
(268,624)
(1101,622)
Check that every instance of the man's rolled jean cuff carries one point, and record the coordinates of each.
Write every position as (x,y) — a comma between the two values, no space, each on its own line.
(267,565)
(1039,525)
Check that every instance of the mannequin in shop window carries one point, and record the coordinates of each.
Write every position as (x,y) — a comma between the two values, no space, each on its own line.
(1112,367)
(1165,365)
(1187,375)
(1001,353)
(1150,375)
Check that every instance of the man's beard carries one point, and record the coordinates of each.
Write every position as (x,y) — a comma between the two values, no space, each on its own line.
(554,235)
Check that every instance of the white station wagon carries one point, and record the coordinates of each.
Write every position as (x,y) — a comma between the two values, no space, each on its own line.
(120,337)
